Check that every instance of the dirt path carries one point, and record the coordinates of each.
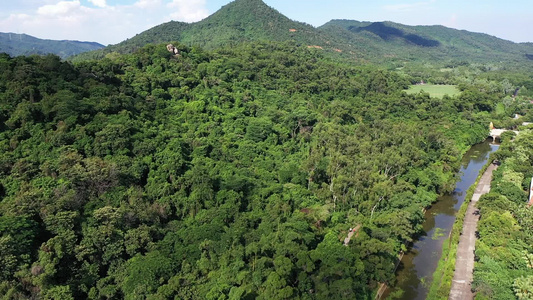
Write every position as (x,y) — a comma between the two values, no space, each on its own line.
(464,265)
(351,233)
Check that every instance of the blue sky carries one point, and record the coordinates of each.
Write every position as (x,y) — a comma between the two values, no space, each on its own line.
(112,21)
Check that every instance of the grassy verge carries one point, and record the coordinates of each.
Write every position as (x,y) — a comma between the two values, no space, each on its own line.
(443,275)
(434,90)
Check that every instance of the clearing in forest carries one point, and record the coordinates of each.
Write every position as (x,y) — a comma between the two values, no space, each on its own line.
(434,90)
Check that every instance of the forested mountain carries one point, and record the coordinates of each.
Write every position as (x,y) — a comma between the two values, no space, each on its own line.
(23,44)
(396,42)
(233,174)
(237,22)
(236,171)
(380,42)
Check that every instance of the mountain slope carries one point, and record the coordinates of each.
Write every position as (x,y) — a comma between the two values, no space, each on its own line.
(237,22)
(379,42)
(227,175)
(247,20)
(401,42)
(23,44)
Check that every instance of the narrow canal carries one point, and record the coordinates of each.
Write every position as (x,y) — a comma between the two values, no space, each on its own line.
(415,272)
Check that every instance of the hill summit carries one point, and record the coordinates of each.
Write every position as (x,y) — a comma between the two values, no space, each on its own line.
(237,22)
(247,20)
(252,20)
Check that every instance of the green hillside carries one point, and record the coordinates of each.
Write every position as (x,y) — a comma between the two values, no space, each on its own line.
(249,20)
(23,44)
(379,42)
(228,174)
(238,168)
(237,22)
(396,42)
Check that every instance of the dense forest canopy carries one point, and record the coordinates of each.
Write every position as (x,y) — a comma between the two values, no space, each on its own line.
(232,174)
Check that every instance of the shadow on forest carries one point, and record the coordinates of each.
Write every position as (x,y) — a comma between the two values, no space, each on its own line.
(387,33)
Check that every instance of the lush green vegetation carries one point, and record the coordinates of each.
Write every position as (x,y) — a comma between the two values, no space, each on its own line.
(228,174)
(384,43)
(401,45)
(237,22)
(434,90)
(440,287)
(23,44)
(443,275)
(504,251)
(235,174)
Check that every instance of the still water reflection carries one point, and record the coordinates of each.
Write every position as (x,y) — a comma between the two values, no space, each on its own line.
(417,266)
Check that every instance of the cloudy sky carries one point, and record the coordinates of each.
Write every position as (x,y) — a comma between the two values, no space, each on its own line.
(112,21)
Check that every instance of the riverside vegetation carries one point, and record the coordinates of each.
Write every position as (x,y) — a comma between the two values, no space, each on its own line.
(504,251)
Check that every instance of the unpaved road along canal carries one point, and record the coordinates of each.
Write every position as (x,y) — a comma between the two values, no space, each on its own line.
(415,272)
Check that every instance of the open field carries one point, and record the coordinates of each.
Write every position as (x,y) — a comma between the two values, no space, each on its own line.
(437,91)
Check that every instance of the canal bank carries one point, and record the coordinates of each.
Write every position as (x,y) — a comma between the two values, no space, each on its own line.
(417,266)
(461,288)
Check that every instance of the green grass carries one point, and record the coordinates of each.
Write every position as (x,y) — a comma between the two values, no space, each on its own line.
(434,90)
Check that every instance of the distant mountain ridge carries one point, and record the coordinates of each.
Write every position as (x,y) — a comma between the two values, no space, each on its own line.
(387,33)
(253,20)
(22,44)
(437,42)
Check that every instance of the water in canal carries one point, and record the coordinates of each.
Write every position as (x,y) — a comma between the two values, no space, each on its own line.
(415,272)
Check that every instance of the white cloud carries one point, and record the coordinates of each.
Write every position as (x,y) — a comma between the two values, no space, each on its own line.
(60,8)
(19,17)
(188,10)
(147,4)
(99,3)
(408,7)
(72,20)
(104,23)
